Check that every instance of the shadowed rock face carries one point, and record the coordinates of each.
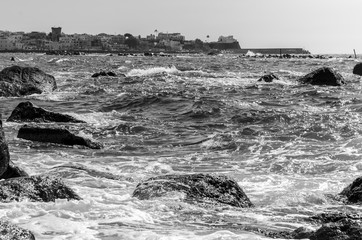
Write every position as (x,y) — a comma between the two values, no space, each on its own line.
(353,192)
(358,69)
(9,231)
(268,78)
(20,81)
(4,151)
(323,76)
(27,112)
(197,187)
(341,230)
(35,188)
(55,135)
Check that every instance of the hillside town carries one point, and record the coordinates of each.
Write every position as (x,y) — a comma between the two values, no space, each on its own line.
(56,40)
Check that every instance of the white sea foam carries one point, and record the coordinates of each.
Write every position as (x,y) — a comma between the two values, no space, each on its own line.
(152,71)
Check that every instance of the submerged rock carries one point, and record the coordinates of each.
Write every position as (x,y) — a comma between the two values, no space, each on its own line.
(35,188)
(10,231)
(105,74)
(55,135)
(358,69)
(268,78)
(19,81)
(28,112)
(323,76)
(197,187)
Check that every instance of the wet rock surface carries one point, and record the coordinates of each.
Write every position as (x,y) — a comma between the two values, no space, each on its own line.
(352,193)
(268,78)
(19,81)
(28,112)
(197,187)
(104,74)
(10,231)
(323,76)
(35,188)
(56,135)
(358,69)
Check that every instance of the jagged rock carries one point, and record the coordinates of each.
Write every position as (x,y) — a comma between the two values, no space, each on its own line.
(268,78)
(353,192)
(103,73)
(4,150)
(323,76)
(55,135)
(28,112)
(197,187)
(10,231)
(341,230)
(358,69)
(19,81)
(7,168)
(35,188)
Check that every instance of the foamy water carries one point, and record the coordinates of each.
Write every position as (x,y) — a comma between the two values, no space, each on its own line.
(287,145)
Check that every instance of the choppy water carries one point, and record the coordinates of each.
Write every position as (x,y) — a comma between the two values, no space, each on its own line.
(286,144)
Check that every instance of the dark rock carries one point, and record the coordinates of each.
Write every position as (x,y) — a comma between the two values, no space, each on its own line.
(105,74)
(10,231)
(55,135)
(268,78)
(4,151)
(35,188)
(19,81)
(197,187)
(28,112)
(353,192)
(7,168)
(358,69)
(341,230)
(323,76)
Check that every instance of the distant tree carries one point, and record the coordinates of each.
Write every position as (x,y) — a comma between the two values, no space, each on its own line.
(131,41)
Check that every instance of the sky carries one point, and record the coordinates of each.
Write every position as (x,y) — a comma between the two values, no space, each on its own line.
(320,26)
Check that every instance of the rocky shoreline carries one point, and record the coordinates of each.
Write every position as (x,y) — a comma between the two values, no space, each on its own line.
(200,189)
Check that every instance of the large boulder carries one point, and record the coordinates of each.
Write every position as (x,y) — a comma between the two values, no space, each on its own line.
(358,69)
(7,167)
(199,188)
(18,81)
(353,192)
(57,135)
(10,231)
(105,74)
(340,230)
(323,76)
(28,112)
(35,188)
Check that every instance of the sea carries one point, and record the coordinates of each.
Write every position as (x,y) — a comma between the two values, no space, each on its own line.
(288,145)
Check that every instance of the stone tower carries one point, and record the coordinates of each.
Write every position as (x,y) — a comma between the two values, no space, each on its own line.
(56,32)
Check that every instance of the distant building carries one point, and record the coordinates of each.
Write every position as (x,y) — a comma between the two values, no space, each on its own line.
(171,36)
(227,39)
(56,33)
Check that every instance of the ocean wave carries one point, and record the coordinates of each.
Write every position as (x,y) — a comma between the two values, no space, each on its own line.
(152,71)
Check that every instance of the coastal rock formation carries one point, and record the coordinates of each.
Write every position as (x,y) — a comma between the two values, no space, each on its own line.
(19,81)
(28,112)
(353,192)
(103,73)
(268,78)
(4,150)
(10,231)
(358,69)
(323,76)
(197,188)
(35,188)
(55,135)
